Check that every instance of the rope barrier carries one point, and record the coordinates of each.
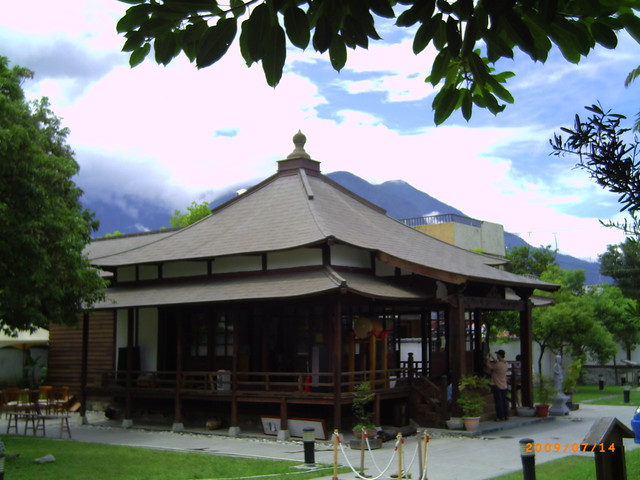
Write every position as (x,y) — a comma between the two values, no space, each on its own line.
(420,452)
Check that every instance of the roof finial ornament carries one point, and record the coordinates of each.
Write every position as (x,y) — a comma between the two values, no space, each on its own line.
(299,140)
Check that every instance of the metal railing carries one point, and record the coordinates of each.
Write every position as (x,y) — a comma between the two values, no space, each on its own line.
(440,219)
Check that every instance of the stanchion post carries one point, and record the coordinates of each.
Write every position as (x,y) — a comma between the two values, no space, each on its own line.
(400,442)
(528,457)
(336,440)
(423,471)
(309,440)
(363,439)
(420,440)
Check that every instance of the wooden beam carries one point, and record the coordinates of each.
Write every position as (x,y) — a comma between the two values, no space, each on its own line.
(177,415)
(449,277)
(492,304)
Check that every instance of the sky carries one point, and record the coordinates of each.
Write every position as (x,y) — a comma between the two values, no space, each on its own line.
(172,135)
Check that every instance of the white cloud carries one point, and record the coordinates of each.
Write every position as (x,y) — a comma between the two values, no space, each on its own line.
(174,134)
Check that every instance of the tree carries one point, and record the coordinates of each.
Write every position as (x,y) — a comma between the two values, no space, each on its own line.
(524,260)
(600,146)
(195,212)
(622,263)
(633,74)
(618,314)
(571,325)
(44,276)
(470,36)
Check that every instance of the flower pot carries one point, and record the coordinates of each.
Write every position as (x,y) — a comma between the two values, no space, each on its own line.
(455,423)
(542,410)
(471,424)
(526,411)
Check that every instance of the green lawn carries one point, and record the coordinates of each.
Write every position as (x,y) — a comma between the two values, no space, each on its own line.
(579,467)
(575,468)
(611,395)
(93,461)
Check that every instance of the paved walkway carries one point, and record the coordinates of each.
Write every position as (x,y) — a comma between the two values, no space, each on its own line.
(451,456)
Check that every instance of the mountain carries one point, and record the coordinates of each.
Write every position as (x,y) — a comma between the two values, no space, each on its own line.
(397,197)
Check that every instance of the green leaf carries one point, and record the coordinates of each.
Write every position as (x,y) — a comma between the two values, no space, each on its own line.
(444,103)
(274,56)
(297,27)
(165,48)
(337,53)
(632,25)
(216,42)
(134,40)
(191,37)
(425,33)
(604,35)
(519,32)
(258,31)
(139,54)
(453,37)
(238,7)
(467,104)
(496,47)
(133,18)
(353,34)
(440,66)
(382,8)
(322,35)
(420,11)
(499,89)
(244,43)
(479,68)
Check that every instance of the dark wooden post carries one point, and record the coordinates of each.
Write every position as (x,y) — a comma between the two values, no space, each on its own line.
(526,351)
(128,414)
(336,356)
(84,366)
(457,364)
(177,414)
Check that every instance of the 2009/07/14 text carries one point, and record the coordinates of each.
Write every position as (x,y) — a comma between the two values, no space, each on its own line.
(569,447)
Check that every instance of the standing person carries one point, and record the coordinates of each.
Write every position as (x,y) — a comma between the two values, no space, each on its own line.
(498,368)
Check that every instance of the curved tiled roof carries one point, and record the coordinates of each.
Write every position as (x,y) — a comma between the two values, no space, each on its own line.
(300,207)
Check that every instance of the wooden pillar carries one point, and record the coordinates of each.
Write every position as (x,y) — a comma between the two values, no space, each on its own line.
(425,332)
(526,352)
(177,414)
(84,366)
(478,354)
(128,414)
(457,348)
(336,363)
(234,428)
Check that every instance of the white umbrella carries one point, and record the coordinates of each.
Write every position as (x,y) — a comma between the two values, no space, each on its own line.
(25,340)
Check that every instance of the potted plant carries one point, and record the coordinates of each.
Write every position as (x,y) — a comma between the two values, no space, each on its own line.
(472,390)
(543,396)
(361,408)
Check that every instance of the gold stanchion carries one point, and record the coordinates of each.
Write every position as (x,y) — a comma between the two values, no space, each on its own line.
(400,442)
(423,472)
(363,439)
(336,441)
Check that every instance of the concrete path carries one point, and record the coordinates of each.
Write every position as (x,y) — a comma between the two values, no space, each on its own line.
(450,456)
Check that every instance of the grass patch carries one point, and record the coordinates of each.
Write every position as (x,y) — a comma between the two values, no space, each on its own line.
(94,461)
(611,395)
(574,468)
